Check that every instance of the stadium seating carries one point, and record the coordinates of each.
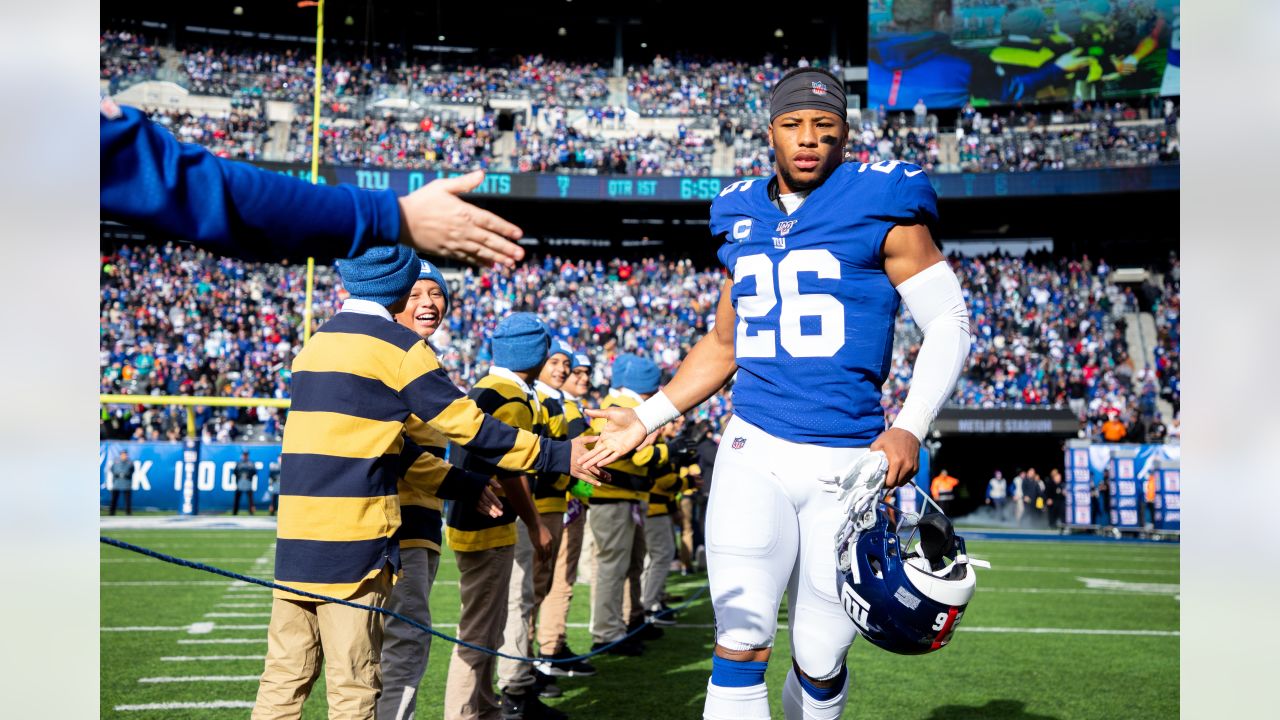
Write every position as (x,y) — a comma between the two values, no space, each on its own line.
(666,117)
(1047,332)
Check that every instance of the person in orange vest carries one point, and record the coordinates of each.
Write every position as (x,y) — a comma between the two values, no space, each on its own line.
(943,490)
(1113,430)
(1150,493)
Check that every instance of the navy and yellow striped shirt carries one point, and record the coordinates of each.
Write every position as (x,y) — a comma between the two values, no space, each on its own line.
(549,492)
(632,476)
(503,398)
(573,417)
(426,481)
(666,484)
(355,385)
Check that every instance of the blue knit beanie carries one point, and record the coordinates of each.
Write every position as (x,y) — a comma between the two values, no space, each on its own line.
(520,342)
(578,360)
(383,274)
(559,348)
(431,272)
(618,371)
(642,376)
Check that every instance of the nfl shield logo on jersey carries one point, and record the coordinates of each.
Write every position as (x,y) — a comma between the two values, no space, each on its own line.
(738,443)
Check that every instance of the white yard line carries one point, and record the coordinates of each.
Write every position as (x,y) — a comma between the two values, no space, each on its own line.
(209,705)
(972,629)
(158,583)
(201,678)
(1068,591)
(995,567)
(199,628)
(255,606)
(207,561)
(210,658)
(225,641)
(236,614)
(1071,631)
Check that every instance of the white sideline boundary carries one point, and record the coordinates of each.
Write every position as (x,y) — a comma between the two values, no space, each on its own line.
(224,641)
(187,522)
(201,678)
(209,705)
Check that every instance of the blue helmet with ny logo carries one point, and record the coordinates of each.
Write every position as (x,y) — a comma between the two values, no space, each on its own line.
(905,580)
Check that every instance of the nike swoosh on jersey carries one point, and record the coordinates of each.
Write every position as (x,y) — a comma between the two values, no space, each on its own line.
(910,173)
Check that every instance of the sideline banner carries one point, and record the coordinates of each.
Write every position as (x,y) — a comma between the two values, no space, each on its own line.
(158,473)
(1120,500)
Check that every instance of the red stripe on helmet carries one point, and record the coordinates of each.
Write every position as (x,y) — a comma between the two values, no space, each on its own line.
(942,636)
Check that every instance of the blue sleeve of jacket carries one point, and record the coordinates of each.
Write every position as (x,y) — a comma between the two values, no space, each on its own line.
(151,181)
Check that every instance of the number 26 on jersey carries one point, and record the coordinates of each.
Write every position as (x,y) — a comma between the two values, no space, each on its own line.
(795,305)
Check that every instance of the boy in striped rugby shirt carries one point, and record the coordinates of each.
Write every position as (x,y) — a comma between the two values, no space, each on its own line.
(426,482)
(355,385)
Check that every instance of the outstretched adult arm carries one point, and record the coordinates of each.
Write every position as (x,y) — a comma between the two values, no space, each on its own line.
(150,180)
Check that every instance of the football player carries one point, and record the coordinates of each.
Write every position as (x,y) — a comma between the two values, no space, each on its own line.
(821,254)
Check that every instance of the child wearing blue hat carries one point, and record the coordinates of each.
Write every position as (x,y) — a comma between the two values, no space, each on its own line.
(358,372)
(495,555)
(619,539)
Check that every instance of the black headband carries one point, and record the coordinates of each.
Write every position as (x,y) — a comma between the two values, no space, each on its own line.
(808,90)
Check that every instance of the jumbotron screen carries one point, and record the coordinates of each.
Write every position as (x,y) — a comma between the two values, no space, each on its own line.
(1006,52)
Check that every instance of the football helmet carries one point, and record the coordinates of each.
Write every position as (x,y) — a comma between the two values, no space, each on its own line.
(904,579)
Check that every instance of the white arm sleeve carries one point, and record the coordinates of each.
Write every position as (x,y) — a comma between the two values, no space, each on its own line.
(936,303)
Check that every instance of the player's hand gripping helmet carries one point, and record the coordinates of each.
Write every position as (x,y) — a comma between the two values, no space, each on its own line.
(904,579)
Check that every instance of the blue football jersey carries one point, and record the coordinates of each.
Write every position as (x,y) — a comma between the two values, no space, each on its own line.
(815,309)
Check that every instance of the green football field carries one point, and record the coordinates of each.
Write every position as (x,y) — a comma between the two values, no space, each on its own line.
(1057,630)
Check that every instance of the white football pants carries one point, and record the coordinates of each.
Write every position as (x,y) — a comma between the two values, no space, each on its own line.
(771,525)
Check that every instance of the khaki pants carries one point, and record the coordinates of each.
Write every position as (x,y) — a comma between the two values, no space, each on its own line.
(660,544)
(614,533)
(632,608)
(482,584)
(405,649)
(530,581)
(347,640)
(554,612)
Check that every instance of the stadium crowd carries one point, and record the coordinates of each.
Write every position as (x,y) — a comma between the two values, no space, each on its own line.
(239,136)
(560,94)
(566,148)
(443,140)
(126,55)
(1048,332)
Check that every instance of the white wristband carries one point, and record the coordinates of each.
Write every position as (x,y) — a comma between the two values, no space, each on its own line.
(656,412)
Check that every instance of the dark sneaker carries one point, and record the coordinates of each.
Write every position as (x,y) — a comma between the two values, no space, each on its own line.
(663,616)
(629,648)
(579,668)
(546,685)
(647,634)
(527,706)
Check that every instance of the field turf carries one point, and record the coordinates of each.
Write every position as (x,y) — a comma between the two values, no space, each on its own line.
(1057,630)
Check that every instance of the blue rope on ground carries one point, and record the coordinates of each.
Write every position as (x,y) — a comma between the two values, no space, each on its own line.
(389,613)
